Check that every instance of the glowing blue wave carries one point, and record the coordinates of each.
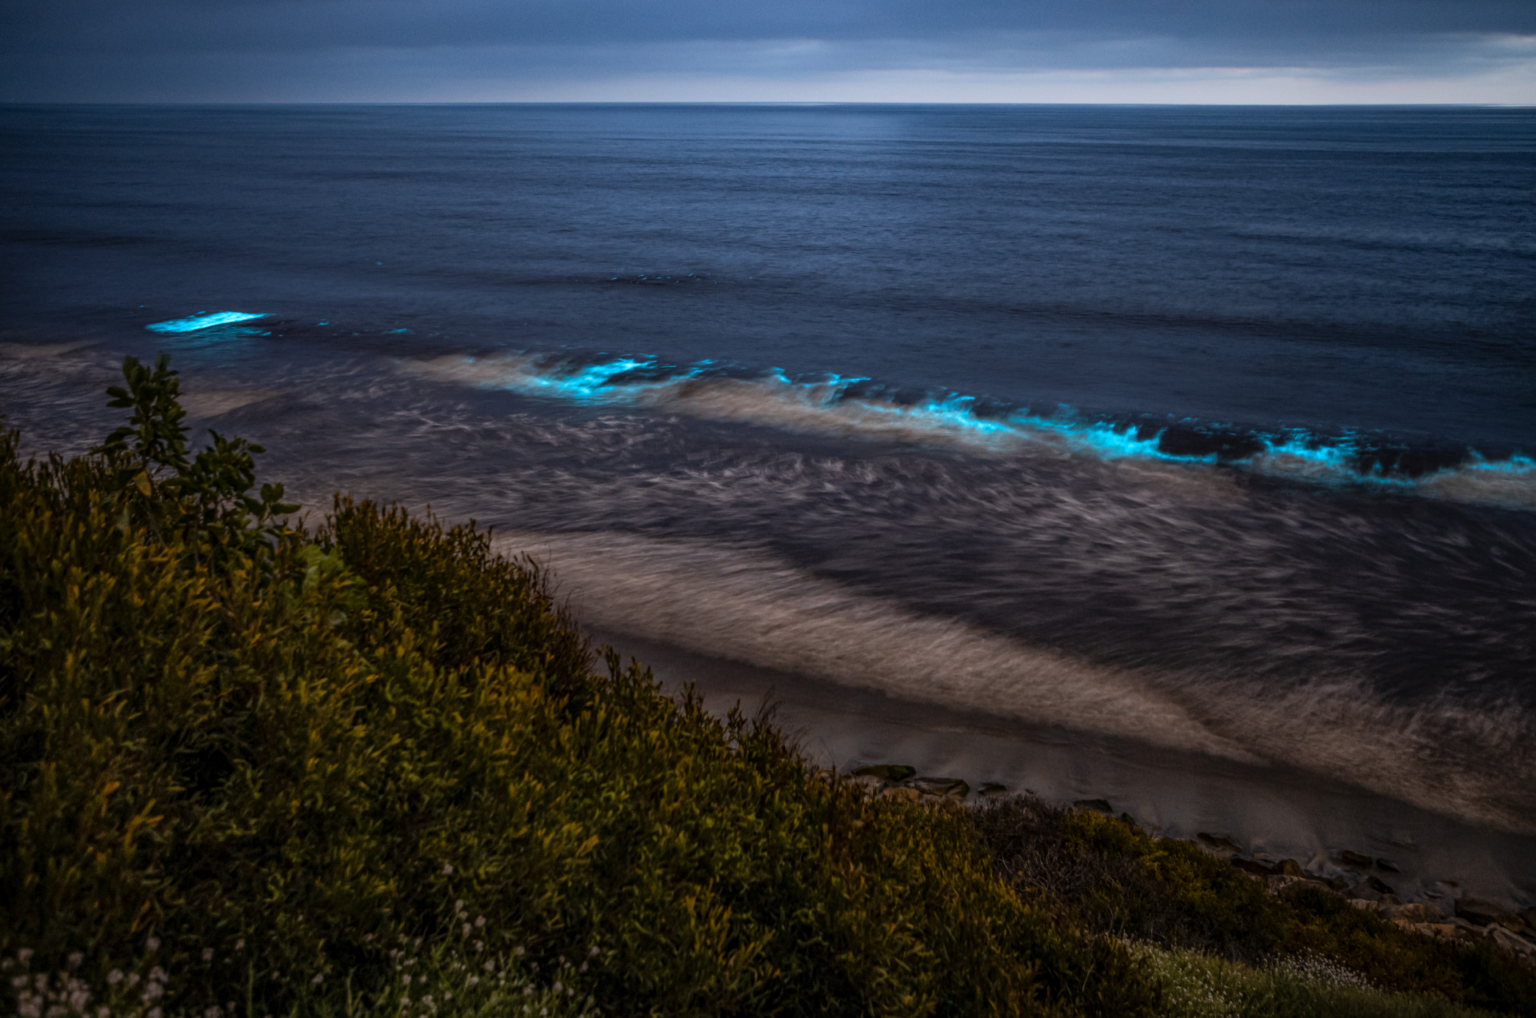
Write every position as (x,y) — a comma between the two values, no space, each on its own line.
(206,321)
(853,405)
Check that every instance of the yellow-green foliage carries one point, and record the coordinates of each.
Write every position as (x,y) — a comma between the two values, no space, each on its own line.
(1118,880)
(278,760)
(1200,986)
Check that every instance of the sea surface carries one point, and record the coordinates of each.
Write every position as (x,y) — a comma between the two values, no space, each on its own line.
(1178,455)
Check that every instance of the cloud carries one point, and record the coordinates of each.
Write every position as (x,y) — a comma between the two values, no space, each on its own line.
(400,50)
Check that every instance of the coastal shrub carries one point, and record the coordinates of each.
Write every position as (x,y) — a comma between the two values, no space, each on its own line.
(1113,877)
(1118,880)
(1202,986)
(252,769)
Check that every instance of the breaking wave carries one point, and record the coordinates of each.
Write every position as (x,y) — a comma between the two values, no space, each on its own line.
(855,407)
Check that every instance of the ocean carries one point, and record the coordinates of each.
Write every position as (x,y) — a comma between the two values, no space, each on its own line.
(1179,456)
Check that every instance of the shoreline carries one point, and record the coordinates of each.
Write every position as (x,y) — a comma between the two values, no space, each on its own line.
(1231,808)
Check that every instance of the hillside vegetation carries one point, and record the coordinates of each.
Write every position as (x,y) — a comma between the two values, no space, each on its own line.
(367,767)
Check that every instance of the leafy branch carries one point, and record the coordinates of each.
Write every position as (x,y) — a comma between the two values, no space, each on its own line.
(206,500)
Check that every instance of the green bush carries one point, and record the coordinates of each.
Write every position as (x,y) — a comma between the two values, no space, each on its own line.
(244,767)
(1115,879)
(1201,986)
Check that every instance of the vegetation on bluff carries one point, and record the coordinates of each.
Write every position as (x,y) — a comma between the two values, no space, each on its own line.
(366,768)
(239,762)
(1108,875)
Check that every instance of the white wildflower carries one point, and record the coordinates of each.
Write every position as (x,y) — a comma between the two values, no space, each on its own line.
(319,978)
(24,955)
(114,977)
(75,958)
(207,954)
(152,944)
(479,921)
(447,870)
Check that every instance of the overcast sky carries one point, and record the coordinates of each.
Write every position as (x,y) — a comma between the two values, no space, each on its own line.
(1222,51)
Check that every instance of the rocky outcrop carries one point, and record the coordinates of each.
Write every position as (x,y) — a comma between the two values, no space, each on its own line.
(900,783)
(1511,942)
(949,788)
(1482,913)
(1414,912)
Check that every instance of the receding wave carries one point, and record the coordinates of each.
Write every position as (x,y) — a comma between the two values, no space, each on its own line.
(857,407)
(1474,763)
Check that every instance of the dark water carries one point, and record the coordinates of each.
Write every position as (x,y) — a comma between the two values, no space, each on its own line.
(1208,429)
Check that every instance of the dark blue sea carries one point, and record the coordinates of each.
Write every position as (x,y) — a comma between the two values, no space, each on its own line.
(1184,456)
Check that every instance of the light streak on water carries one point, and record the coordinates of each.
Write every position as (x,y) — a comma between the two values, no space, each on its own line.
(203,321)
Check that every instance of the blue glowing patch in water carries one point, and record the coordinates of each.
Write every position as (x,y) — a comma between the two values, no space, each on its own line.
(589,381)
(197,322)
(1344,458)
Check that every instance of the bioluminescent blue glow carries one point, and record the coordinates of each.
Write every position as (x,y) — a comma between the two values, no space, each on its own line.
(588,382)
(205,321)
(1296,453)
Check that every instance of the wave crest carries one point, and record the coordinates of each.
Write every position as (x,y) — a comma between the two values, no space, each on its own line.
(856,407)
